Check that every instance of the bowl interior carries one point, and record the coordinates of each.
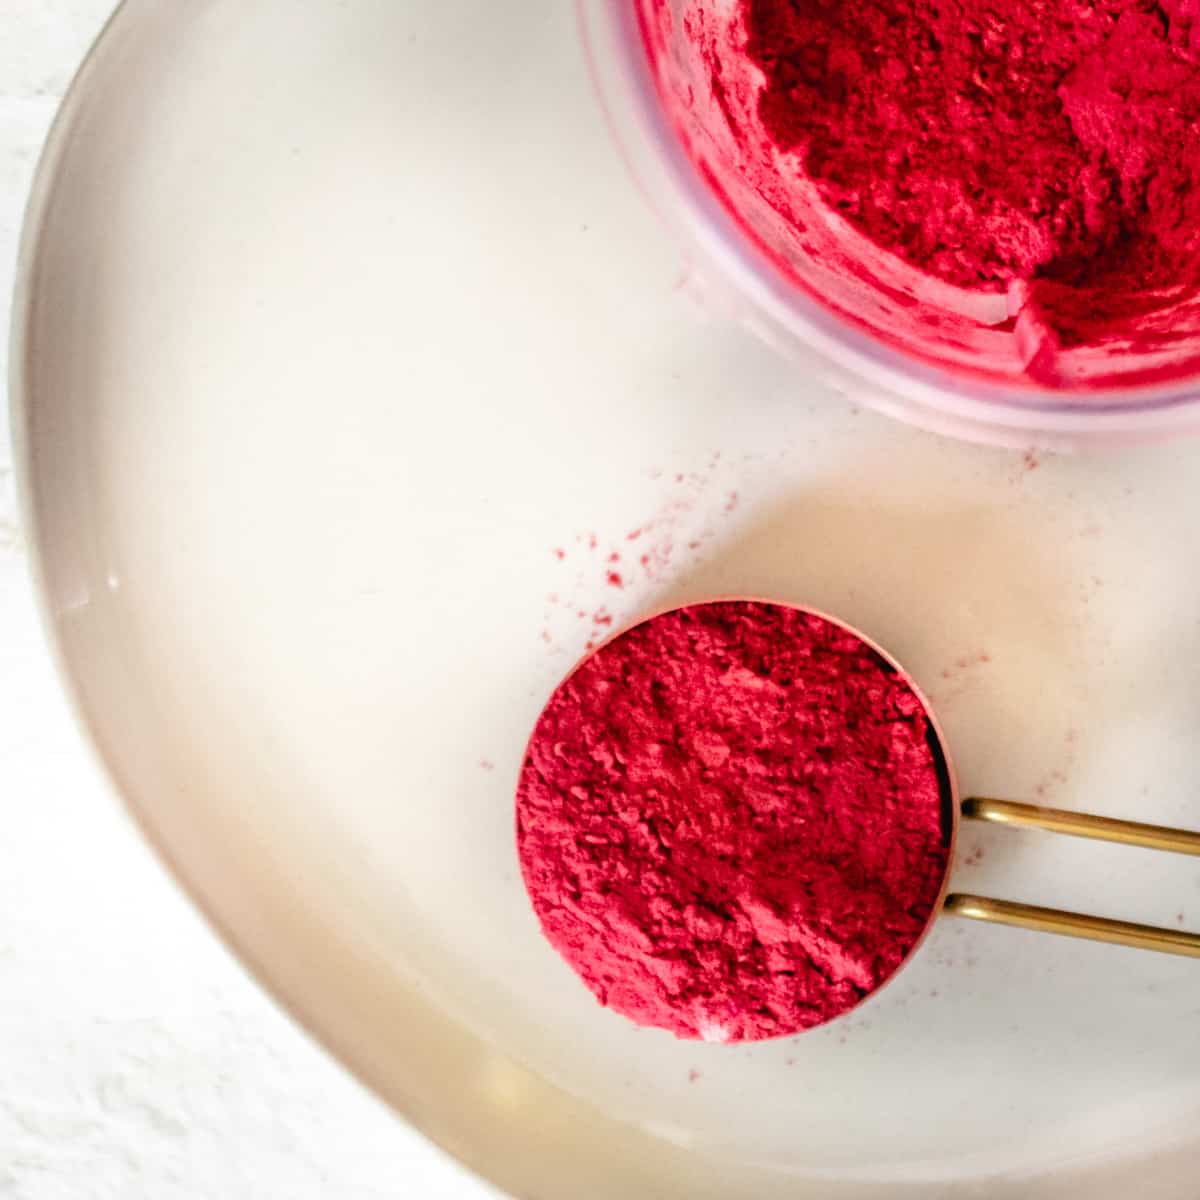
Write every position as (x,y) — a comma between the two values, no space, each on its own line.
(327,442)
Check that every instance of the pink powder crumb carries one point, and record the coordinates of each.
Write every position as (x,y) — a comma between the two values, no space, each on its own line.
(602,617)
(659,555)
(487,764)
(1050,782)
(693,1075)
(965,663)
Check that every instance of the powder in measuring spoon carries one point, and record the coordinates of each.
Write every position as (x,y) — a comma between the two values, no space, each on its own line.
(733,821)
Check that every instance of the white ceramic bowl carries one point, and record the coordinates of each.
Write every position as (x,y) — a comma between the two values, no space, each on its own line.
(335,323)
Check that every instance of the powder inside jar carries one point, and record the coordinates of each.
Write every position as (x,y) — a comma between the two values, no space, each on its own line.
(1051,143)
(1008,188)
(733,821)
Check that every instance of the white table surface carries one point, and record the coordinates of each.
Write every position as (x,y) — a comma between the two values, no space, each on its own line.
(139,1060)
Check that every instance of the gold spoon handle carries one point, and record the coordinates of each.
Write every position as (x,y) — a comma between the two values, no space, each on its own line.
(1072,924)
(1105,829)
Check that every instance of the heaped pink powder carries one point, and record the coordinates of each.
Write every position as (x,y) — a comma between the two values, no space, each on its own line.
(733,821)
(1011,190)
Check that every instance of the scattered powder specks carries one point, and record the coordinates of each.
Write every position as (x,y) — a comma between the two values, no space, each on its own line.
(685,518)
(1049,782)
(1024,465)
(959,677)
(1055,778)
(966,662)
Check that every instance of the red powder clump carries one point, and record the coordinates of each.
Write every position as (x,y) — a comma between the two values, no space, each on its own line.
(1053,143)
(733,821)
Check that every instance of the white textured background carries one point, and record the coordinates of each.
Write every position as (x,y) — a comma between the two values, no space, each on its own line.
(136,1058)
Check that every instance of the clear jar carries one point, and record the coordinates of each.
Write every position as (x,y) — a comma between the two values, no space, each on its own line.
(964,371)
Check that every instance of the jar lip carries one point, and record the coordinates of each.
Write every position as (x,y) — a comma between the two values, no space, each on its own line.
(930,395)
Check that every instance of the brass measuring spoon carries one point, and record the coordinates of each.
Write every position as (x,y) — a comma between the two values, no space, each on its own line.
(572,929)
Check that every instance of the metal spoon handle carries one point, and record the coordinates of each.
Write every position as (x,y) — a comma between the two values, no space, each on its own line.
(1084,825)
(1072,924)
